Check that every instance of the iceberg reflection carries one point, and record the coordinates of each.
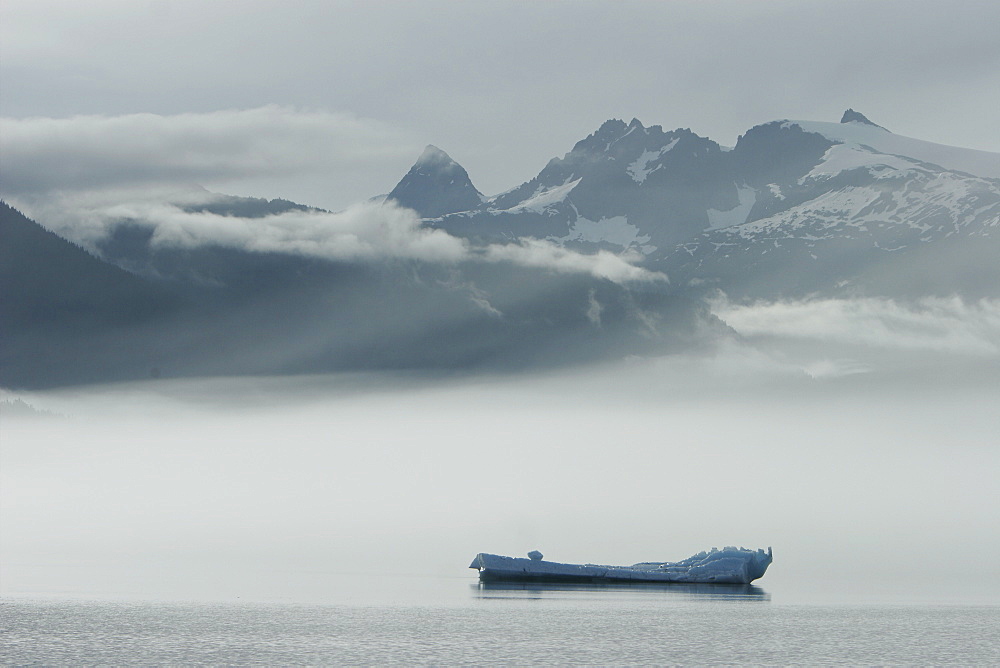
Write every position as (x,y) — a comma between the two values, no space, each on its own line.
(699,591)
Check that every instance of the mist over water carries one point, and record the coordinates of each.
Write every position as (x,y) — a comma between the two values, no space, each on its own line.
(871,471)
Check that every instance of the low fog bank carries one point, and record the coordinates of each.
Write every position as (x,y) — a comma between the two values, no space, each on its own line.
(873,484)
(934,341)
(223,286)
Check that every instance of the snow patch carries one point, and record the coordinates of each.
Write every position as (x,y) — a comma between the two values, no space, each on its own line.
(979,163)
(639,169)
(617,231)
(843,157)
(738,214)
(610,144)
(928,206)
(544,197)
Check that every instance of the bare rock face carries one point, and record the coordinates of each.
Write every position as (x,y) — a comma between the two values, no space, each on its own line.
(851,116)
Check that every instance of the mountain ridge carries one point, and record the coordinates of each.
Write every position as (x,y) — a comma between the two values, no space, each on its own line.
(673,199)
(795,209)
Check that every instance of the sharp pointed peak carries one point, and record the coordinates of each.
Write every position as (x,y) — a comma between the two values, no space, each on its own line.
(432,154)
(436,186)
(851,116)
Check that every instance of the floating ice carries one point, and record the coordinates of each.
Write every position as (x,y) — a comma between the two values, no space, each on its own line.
(730,565)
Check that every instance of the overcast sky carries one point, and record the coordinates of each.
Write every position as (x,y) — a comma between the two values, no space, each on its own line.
(328,102)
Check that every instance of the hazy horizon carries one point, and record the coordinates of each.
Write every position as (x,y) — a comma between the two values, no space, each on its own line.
(867,465)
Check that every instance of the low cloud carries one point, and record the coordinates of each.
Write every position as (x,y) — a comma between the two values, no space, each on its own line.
(538,253)
(366,231)
(236,147)
(362,232)
(950,325)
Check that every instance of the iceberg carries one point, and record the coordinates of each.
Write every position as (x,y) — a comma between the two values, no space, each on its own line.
(730,565)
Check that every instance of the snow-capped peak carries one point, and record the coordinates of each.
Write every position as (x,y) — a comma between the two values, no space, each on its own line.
(971,161)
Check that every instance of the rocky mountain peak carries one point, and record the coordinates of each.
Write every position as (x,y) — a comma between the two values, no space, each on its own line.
(611,125)
(433,156)
(435,186)
(851,116)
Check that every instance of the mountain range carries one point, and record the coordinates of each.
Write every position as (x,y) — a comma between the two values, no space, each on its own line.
(794,209)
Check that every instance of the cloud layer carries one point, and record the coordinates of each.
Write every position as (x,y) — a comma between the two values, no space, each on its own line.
(362,232)
(231,147)
(950,325)
(367,231)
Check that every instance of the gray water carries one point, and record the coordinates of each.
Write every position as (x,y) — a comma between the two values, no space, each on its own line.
(517,626)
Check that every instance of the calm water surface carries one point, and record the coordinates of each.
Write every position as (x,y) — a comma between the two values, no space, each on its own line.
(501,626)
